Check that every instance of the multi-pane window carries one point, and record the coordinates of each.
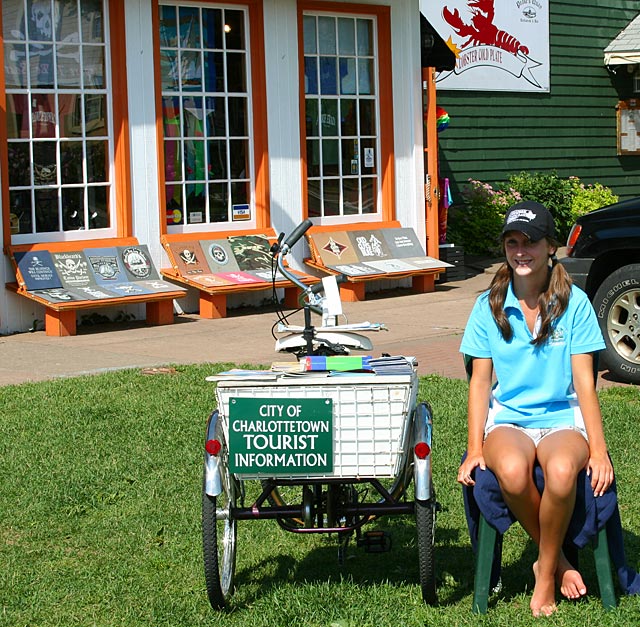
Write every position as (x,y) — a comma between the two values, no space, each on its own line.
(341,112)
(206,99)
(57,114)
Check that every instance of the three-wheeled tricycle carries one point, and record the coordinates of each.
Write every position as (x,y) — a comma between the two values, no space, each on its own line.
(331,450)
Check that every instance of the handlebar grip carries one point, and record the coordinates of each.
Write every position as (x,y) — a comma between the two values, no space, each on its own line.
(297,233)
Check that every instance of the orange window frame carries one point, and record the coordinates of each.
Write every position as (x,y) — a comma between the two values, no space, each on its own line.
(385,99)
(121,146)
(258,108)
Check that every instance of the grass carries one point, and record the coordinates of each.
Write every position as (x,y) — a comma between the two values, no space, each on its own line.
(100,520)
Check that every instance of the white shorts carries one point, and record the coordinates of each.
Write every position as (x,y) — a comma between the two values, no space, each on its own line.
(536,434)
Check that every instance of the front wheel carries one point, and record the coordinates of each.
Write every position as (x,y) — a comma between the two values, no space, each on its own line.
(219,534)
(617,306)
(425,524)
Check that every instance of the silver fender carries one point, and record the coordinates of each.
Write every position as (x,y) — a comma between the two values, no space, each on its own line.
(212,480)
(422,432)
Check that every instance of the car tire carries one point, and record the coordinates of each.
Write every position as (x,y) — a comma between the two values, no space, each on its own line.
(617,306)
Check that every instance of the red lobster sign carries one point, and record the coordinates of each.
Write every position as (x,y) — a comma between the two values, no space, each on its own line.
(482,31)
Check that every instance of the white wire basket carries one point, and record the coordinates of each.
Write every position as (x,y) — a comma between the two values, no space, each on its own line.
(371,419)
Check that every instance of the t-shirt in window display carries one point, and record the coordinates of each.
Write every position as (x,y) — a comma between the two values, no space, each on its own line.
(57,130)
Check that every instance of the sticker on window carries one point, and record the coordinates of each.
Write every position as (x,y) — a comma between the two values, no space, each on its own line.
(241,212)
(368,157)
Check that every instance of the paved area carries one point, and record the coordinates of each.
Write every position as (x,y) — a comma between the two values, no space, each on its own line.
(427,326)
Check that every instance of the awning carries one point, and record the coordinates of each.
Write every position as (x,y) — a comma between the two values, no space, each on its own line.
(625,48)
(433,49)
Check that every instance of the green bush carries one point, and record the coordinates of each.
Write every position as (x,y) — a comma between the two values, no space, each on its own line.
(552,191)
(476,222)
(587,198)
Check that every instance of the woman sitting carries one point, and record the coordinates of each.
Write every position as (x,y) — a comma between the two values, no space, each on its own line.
(536,333)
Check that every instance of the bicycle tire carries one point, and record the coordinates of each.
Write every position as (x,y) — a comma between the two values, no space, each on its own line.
(219,538)
(425,526)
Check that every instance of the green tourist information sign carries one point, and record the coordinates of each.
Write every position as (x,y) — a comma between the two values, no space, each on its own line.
(280,436)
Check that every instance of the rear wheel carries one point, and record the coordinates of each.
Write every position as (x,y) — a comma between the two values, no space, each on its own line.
(617,305)
(425,524)
(219,534)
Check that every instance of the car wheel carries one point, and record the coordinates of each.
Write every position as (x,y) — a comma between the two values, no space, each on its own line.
(617,305)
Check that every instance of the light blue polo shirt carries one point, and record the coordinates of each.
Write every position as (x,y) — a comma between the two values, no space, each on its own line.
(535,385)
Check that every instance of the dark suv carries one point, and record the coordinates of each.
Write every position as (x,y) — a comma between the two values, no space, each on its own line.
(603,258)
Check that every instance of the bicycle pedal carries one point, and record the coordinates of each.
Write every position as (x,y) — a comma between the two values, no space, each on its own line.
(375,541)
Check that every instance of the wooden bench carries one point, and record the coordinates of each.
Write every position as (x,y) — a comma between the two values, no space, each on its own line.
(66,277)
(231,262)
(371,251)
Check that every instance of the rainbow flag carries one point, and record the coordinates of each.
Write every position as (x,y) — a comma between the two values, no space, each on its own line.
(442,119)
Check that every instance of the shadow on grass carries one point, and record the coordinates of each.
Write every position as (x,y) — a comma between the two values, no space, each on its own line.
(398,566)
(454,565)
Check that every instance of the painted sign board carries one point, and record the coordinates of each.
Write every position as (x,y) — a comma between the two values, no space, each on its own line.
(500,45)
(281,436)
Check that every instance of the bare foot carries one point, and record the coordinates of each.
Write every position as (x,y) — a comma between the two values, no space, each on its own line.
(569,579)
(543,600)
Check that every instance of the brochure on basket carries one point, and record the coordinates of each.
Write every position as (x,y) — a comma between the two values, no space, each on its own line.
(396,364)
(340,363)
(245,375)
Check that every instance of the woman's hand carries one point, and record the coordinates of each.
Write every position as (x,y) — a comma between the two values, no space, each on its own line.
(471,462)
(599,466)
(478,403)
(600,470)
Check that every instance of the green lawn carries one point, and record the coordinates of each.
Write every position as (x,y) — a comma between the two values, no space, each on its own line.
(100,520)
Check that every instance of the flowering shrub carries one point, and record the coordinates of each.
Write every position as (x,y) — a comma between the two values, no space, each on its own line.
(476,222)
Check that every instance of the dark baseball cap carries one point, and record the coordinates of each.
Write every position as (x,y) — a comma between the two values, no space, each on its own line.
(531,218)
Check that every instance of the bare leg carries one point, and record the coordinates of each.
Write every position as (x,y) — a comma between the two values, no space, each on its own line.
(511,455)
(562,455)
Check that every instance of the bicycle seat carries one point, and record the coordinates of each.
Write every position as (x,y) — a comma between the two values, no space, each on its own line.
(347,339)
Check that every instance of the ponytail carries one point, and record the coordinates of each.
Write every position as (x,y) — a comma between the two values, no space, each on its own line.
(497,295)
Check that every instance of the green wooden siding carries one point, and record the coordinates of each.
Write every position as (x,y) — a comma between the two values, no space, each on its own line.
(571,129)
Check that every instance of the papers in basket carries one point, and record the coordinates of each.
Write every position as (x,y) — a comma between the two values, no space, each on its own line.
(244,375)
(322,366)
(398,364)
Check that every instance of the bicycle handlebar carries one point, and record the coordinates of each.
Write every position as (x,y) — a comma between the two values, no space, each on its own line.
(280,251)
(297,233)
(283,250)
